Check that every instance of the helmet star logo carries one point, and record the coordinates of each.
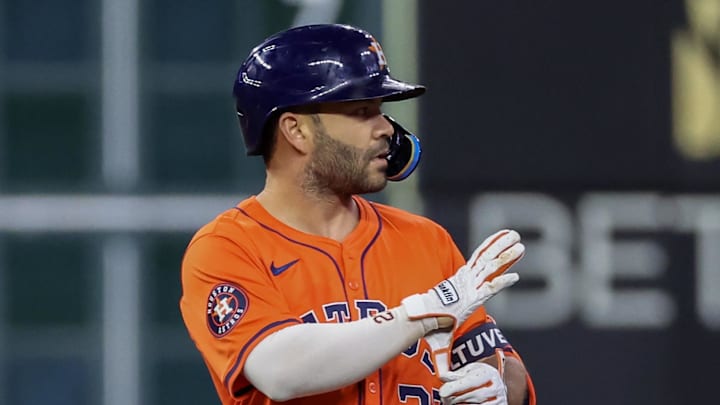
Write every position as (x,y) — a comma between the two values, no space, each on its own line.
(377,50)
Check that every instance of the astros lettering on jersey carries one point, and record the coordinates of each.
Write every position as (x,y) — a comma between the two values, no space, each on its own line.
(246,275)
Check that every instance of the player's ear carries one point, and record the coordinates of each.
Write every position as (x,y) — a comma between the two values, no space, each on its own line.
(294,129)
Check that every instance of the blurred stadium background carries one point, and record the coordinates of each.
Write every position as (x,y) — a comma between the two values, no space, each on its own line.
(592,127)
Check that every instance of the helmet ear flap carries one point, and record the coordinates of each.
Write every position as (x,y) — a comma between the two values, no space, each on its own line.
(405,152)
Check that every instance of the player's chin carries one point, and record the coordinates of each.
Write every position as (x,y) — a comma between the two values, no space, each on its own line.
(375,176)
(376,181)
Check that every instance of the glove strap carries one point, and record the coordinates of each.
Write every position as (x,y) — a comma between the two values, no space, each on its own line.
(417,311)
(441,361)
(415,307)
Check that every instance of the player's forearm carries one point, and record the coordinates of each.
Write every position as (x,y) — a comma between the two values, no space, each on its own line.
(293,362)
(515,380)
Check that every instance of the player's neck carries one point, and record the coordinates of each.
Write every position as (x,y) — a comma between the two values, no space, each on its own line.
(330,216)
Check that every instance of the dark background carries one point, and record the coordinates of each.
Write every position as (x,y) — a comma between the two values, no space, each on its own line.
(554,96)
(568,99)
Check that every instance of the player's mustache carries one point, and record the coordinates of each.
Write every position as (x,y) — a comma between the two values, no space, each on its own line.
(373,153)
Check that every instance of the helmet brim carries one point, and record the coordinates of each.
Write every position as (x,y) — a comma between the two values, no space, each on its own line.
(395,90)
(385,88)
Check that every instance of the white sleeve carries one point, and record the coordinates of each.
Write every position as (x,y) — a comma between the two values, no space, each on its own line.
(313,358)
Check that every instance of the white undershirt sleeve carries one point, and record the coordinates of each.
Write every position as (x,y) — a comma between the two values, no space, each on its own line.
(313,358)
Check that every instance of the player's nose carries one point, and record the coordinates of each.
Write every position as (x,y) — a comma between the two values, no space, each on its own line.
(383,127)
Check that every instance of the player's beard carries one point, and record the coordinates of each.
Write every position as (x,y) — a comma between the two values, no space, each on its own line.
(341,169)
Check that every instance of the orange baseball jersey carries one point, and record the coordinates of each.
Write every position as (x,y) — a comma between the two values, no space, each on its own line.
(246,275)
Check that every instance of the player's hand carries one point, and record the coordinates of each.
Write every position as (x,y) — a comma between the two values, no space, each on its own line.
(476,383)
(472,285)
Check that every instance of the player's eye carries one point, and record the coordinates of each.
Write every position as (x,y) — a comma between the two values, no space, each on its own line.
(361,111)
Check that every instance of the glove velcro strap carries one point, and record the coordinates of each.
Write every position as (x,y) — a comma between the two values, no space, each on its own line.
(415,307)
(417,311)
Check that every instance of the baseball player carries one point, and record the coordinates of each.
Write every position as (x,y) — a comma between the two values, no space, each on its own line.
(309,293)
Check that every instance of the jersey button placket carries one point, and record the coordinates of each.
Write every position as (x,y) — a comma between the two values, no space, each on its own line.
(373,389)
(350,264)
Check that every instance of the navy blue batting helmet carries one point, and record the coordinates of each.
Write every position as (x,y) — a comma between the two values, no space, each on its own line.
(307,65)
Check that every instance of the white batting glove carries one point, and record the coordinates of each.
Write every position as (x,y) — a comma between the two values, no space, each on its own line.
(476,383)
(471,286)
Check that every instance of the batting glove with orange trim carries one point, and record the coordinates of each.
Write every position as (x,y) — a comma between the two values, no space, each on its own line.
(476,383)
(457,297)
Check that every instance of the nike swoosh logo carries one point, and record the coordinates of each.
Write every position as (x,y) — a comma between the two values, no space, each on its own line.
(276,271)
